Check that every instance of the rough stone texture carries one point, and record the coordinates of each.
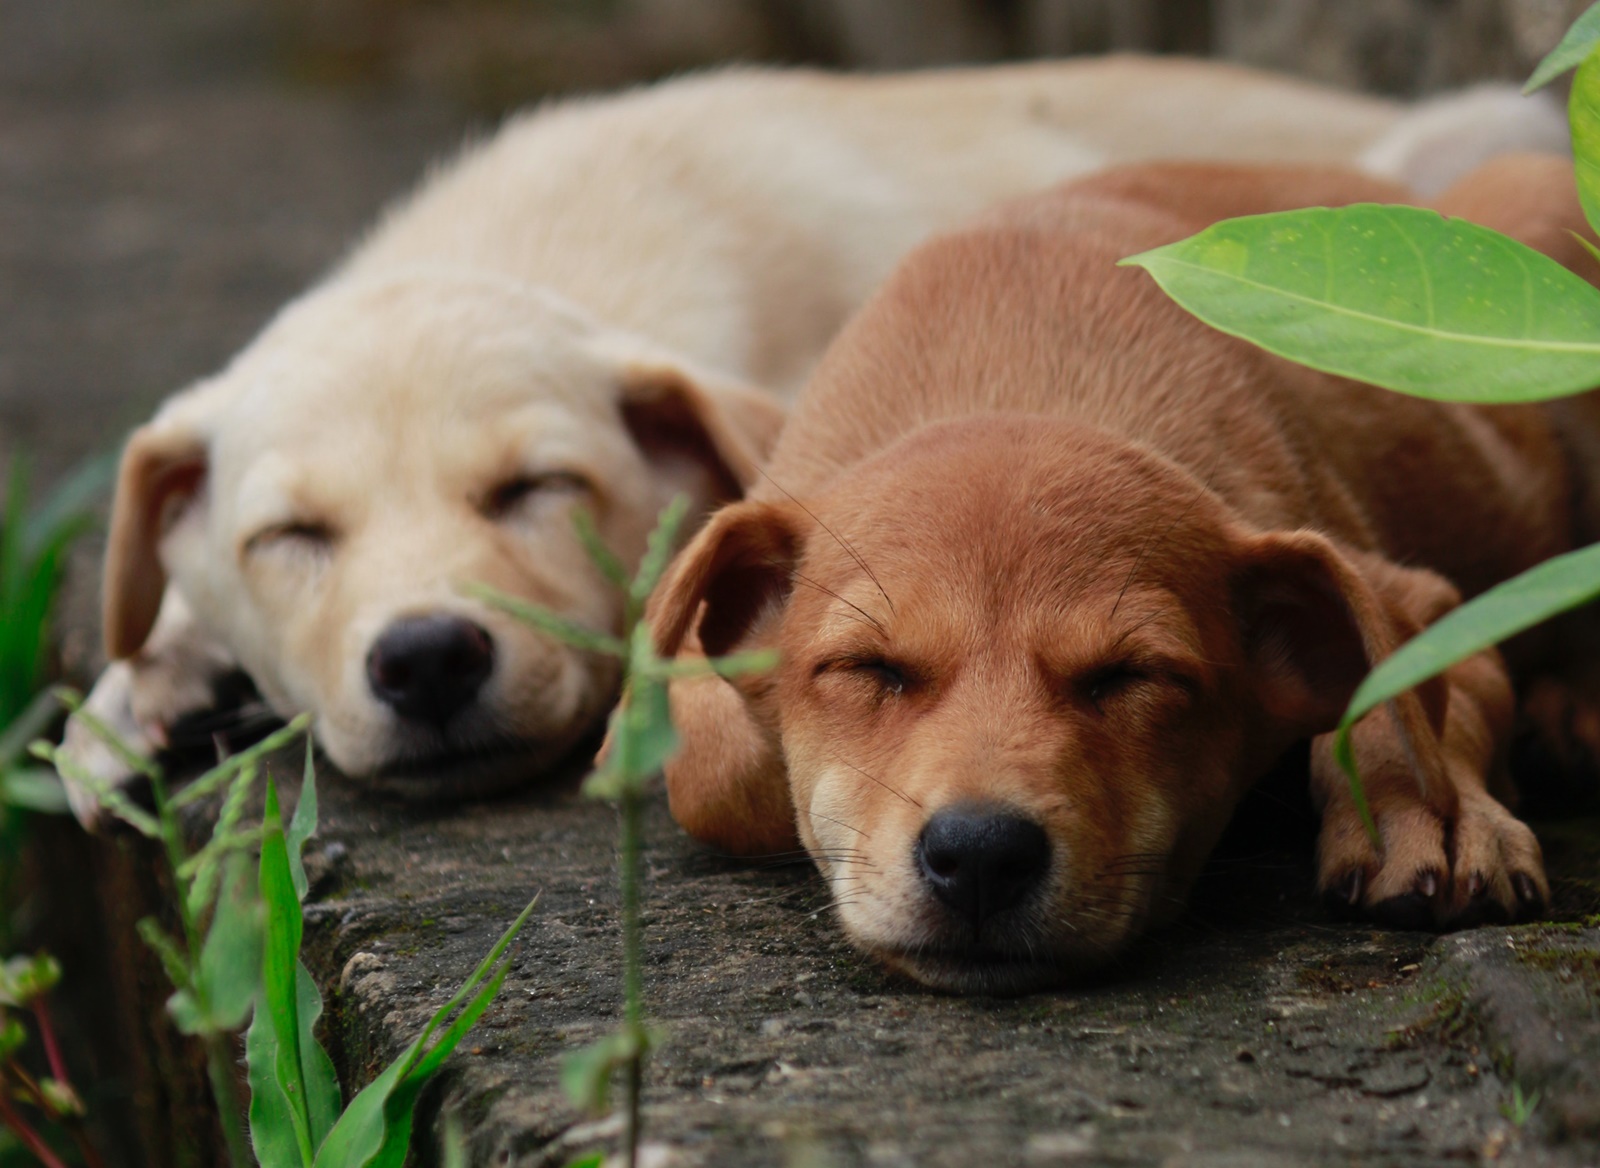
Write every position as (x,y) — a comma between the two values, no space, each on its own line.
(163,189)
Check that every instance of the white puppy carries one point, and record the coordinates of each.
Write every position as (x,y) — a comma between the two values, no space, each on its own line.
(577,313)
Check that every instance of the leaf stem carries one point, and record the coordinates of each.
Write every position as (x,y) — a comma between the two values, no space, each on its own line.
(632,965)
(30,1138)
(219,1066)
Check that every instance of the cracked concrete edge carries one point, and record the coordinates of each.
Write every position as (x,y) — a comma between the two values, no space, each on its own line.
(1533,990)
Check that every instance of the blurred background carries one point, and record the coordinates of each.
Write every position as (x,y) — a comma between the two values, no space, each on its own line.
(171,170)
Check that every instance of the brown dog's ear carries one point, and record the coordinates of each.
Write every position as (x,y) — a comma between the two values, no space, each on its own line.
(163,467)
(727,785)
(708,430)
(1317,617)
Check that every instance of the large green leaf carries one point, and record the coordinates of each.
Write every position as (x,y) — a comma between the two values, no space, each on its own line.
(1397,296)
(1581,38)
(272,1118)
(1551,588)
(1583,116)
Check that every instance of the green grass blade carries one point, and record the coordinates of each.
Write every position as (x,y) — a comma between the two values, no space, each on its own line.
(280,963)
(34,720)
(1549,589)
(34,789)
(73,499)
(548,622)
(304,824)
(126,755)
(1397,296)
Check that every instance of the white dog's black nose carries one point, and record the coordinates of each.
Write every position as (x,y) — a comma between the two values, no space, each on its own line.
(426,668)
(980,859)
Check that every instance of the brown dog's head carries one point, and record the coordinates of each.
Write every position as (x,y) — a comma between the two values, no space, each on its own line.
(322,503)
(1027,670)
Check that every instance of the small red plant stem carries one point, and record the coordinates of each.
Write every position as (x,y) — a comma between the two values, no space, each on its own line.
(52,1049)
(30,1138)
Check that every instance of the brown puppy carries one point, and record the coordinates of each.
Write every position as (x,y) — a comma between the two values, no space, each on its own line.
(1056,572)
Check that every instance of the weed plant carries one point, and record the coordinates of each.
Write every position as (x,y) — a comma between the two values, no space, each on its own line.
(640,739)
(236,954)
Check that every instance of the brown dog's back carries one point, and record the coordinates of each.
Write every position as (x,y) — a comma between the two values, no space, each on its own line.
(1059,329)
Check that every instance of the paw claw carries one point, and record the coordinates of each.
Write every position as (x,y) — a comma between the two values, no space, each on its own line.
(1411,910)
(1530,901)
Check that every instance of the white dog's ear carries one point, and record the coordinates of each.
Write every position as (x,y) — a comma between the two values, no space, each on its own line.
(709,431)
(163,470)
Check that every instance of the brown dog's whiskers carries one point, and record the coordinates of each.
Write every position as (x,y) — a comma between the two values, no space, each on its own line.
(841,823)
(897,794)
(871,620)
(839,539)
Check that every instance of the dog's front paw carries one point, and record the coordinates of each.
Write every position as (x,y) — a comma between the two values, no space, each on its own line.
(1476,865)
(89,764)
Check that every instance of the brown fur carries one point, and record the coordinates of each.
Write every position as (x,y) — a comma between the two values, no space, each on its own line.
(1036,536)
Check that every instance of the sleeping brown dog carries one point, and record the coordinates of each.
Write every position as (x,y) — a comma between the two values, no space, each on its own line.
(1056,572)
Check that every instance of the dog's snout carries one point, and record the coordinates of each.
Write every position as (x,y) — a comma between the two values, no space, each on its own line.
(426,668)
(981,860)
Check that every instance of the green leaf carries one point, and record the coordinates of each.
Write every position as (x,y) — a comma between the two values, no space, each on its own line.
(130,758)
(13,1037)
(110,796)
(375,1129)
(642,739)
(1397,296)
(173,959)
(22,979)
(280,971)
(34,789)
(658,550)
(235,765)
(548,622)
(26,726)
(272,1118)
(1583,116)
(604,558)
(1574,47)
(1549,589)
(733,665)
(230,958)
(303,826)
(586,1074)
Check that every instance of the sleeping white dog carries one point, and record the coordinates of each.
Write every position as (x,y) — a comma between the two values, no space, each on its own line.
(604,304)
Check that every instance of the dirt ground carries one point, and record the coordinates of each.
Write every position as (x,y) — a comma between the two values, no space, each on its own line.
(151,218)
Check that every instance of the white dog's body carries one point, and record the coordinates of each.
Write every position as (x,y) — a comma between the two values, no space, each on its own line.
(577,311)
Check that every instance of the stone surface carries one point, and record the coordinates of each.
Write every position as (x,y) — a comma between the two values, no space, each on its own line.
(162,189)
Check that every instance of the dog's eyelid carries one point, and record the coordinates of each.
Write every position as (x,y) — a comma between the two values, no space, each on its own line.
(892,675)
(307,532)
(507,494)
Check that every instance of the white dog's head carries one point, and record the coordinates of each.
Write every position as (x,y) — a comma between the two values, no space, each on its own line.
(321,503)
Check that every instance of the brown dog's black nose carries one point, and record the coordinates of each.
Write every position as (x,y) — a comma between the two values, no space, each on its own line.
(981,859)
(426,668)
